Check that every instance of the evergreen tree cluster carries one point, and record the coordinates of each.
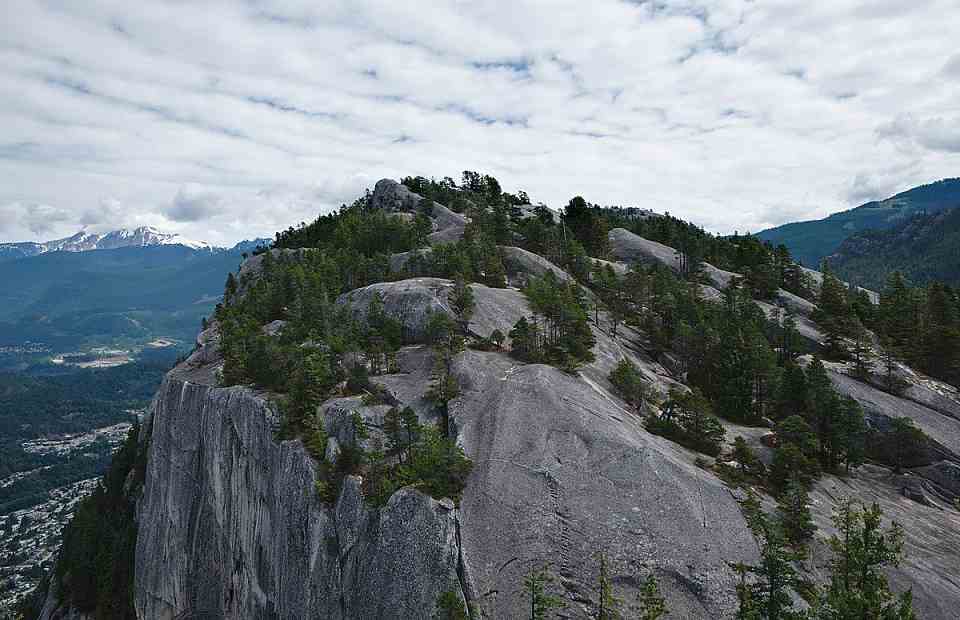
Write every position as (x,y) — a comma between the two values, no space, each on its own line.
(687,418)
(558,332)
(95,568)
(858,587)
(324,349)
(921,326)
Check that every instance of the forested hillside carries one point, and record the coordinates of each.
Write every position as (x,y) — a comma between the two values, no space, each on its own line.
(925,249)
(70,299)
(510,391)
(811,241)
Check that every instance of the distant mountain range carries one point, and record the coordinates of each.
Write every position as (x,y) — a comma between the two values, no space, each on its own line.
(813,240)
(144,236)
(924,248)
(131,285)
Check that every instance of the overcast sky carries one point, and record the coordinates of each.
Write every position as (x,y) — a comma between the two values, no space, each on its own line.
(229,120)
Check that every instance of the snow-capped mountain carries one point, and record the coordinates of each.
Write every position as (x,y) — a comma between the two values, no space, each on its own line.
(123,238)
(83,241)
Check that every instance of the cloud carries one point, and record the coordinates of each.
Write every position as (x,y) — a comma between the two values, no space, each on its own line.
(867,187)
(38,219)
(192,204)
(952,68)
(936,134)
(226,120)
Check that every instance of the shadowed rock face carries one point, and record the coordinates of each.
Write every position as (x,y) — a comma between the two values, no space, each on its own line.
(230,525)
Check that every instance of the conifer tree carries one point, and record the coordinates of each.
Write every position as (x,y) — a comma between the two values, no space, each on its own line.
(535,585)
(652,606)
(862,548)
(608,607)
(795,518)
(767,596)
(462,301)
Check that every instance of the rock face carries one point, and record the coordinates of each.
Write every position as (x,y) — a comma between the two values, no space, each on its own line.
(631,248)
(389,195)
(231,527)
(413,301)
(522,264)
(563,473)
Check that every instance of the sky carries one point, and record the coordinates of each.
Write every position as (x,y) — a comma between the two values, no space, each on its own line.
(231,120)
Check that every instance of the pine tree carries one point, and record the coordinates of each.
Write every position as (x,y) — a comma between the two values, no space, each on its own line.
(767,596)
(630,384)
(494,273)
(462,301)
(902,444)
(451,607)
(858,584)
(394,432)
(609,605)
(652,605)
(748,462)
(524,340)
(795,518)
(230,289)
(535,585)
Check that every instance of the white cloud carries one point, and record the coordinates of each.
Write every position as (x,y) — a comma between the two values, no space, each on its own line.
(224,120)
(32,219)
(935,134)
(193,204)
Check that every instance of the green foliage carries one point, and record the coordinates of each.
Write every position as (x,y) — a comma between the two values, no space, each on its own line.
(608,605)
(95,569)
(862,549)
(426,459)
(586,223)
(748,463)
(825,429)
(925,248)
(651,605)
(558,332)
(497,338)
(766,595)
(75,300)
(43,401)
(462,300)
(687,418)
(357,229)
(535,585)
(630,384)
(451,607)
(813,240)
(920,326)
(795,518)
(438,465)
(901,445)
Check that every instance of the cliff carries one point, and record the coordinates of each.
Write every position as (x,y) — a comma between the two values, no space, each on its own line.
(231,525)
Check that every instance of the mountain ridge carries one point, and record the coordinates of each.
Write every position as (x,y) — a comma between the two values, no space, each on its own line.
(141,236)
(925,248)
(243,515)
(811,240)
